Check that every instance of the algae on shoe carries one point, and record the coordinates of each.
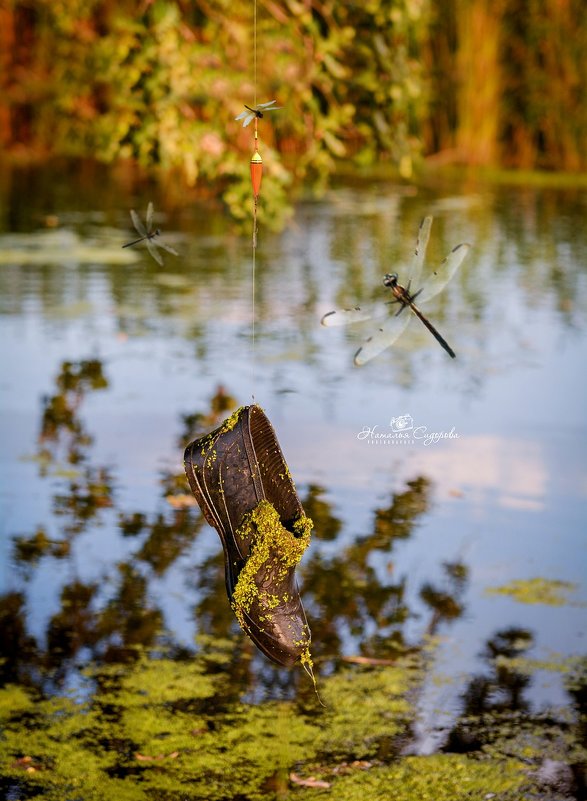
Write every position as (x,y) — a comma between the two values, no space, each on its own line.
(272,547)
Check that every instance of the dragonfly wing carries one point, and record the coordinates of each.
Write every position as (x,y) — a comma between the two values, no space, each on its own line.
(168,248)
(349,316)
(242,115)
(248,119)
(383,338)
(152,248)
(415,270)
(444,273)
(275,108)
(138,223)
(266,105)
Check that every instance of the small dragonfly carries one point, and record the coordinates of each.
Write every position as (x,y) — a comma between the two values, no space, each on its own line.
(395,325)
(148,235)
(258,112)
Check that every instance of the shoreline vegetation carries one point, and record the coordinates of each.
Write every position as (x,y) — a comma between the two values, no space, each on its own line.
(386,88)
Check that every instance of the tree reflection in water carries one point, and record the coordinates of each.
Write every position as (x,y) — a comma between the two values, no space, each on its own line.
(497,718)
(351,599)
(357,606)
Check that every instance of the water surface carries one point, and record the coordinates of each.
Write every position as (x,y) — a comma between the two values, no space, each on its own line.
(411,538)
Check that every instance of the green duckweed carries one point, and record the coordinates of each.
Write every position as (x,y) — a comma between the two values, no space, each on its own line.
(170,730)
(231,421)
(536,591)
(271,544)
(434,778)
(208,442)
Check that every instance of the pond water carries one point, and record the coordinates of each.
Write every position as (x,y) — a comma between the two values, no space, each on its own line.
(472,545)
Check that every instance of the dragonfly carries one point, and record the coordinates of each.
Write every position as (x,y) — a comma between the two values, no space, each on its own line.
(148,235)
(258,112)
(394,326)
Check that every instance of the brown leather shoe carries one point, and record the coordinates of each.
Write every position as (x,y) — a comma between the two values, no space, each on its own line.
(242,483)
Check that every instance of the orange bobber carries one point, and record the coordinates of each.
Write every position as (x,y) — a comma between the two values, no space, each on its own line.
(256,172)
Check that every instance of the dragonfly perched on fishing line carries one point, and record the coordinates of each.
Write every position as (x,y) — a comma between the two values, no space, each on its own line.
(251,113)
(147,235)
(395,325)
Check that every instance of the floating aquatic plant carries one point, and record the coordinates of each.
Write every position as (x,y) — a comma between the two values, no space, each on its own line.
(536,591)
(168,729)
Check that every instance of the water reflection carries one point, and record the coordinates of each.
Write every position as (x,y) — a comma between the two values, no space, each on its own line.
(349,595)
(61,427)
(504,687)
(445,602)
(352,601)
(497,718)
(111,565)
(339,262)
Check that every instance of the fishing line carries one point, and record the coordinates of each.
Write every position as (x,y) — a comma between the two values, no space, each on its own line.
(255,51)
(253,296)
(255,204)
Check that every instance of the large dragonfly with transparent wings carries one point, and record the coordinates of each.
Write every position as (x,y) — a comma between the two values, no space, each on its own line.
(258,112)
(148,234)
(392,328)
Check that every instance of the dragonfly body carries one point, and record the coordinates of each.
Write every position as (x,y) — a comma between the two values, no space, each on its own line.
(403,296)
(392,328)
(148,235)
(155,233)
(257,112)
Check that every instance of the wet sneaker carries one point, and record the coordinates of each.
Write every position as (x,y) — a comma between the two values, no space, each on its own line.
(244,488)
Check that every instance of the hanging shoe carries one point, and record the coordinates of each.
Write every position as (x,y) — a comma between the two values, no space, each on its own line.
(244,488)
